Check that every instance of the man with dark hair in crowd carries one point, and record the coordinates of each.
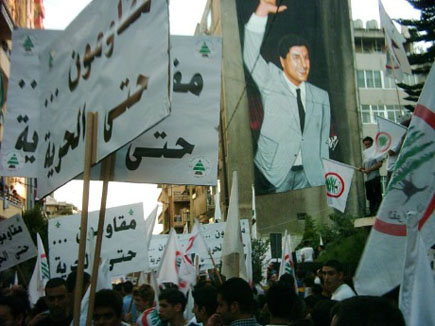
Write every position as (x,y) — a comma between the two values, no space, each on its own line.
(283,304)
(366,311)
(236,303)
(58,303)
(143,298)
(71,283)
(128,308)
(205,303)
(172,303)
(11,311)
(333,281)
(107,308)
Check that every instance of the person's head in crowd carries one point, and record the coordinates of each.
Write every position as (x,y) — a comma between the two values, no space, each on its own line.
(333,276)
(367,142)
(205,302)
(143,297)
(235,300)
(321,312)
(283,304)
(20,294)
(127,287)
(107,308)
(118,288)
(172,303)
(366,311)
(71,283)
(57,299)
(11,312)
(288,279)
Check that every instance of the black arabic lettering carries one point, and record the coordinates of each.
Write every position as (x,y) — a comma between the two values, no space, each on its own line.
(73,83)
(22,251)
(142,82)
(4,257)
(139,152)
(194,86)
(136,13)
(109,231)
(113,261)
(86,264)
(23,144)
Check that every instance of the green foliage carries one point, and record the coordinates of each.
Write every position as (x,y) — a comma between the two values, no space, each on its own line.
(341,239)
(36,222)
(259,249)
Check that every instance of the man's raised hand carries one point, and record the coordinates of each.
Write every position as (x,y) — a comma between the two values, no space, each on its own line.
(266,7)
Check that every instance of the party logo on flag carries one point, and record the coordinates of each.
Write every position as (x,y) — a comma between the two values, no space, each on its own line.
(12,161)
(200,167)
(334,184)
(383,141)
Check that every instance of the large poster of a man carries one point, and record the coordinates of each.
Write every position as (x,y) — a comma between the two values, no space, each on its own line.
(292,127)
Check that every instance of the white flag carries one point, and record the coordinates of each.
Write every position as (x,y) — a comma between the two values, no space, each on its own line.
(149,227)
(248,261)
(411,189)
(16,278)
(287,266)
(388,136)
(232,243)
(41,274)
(171,262)
(254,215)
(417,291)
(338,178)
(397,61)
(217,207)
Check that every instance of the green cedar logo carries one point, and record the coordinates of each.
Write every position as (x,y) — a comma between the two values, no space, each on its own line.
(28,44)
(383,141)
(205,51)
(199,168)
(13,162)
(334,185)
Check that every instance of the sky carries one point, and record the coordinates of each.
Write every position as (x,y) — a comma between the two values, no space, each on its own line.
(184,16)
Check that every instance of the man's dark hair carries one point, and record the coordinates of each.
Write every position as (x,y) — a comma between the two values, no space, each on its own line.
(128,287)
(14,304)
(56,282)
(321,312)
(289,280)
(206,296)
(71,280)
(146,292)
(283,302)
(173,297)
(237,290)
(109,298)
(334,264)
(288,41)
(367,310)
(368,138)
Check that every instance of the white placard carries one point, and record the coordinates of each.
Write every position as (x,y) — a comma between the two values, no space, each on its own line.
(124,241)
(16,244)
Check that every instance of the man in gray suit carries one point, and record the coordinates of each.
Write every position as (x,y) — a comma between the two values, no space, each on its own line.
(295,130)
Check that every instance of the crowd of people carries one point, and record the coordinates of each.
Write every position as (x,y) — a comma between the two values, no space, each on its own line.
(329,301)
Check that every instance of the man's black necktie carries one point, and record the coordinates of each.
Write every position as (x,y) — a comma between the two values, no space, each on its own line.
(300,109)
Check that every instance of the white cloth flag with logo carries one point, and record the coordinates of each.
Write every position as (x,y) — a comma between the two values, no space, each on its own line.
(417,290)
(338,178)
(397,61)
(287,266)
(388,136)
(41,273)
(232,243)
(411,189)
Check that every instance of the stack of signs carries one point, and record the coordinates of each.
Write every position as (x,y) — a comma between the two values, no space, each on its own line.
(213,235)
(112,59)
(16,244)
(182,149)
(124,241)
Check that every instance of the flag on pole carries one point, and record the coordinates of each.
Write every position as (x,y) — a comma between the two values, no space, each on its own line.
(287,266)
(320,240)
(411,189)
(254,215)
(41,273)
(217,207)
(16,278)
(171,262)
(232,243)
(417,290)
(338,178)
(149,227)
(248,261)
(397,61)
(389,135)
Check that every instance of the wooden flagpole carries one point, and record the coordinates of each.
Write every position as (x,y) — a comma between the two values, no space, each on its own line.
(90,146)
(107,169)
(215,268)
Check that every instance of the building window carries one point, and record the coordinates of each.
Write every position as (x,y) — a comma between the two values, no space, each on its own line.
(391,112)
(369,79)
